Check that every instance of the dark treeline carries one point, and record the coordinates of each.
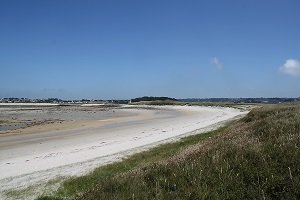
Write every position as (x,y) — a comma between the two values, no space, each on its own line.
(146,98)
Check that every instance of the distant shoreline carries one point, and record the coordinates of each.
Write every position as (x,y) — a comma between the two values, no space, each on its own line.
(29,104)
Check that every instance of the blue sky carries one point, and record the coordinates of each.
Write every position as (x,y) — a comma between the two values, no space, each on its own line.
(111,49)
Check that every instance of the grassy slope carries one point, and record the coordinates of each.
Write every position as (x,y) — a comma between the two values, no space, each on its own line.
(257,157)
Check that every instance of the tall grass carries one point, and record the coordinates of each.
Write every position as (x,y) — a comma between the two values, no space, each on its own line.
(257,157)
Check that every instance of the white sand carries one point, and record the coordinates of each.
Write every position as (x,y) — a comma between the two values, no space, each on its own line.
(39,157)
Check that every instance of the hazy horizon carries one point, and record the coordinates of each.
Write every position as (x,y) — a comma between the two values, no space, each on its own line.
(98,99)
(77,49)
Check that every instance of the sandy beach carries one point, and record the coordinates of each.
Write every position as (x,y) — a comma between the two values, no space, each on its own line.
(73,141)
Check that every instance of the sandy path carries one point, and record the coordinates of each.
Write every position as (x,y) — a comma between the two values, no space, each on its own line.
(34,157)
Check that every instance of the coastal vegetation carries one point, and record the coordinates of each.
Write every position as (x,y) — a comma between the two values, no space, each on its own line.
(147,98)
(256,157)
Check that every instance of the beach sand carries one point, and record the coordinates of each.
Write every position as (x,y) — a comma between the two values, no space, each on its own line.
(79,139)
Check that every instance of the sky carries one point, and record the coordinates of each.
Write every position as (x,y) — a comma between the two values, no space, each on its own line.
(121,49)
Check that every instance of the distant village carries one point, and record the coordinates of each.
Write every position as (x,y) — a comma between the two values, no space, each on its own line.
(53,100)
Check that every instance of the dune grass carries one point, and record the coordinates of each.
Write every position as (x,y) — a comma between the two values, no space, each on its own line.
(256,157)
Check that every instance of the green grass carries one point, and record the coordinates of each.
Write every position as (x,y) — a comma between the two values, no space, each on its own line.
(256,157)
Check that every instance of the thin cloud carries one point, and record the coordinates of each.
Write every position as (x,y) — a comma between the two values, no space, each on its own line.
(291,67)
(217,63)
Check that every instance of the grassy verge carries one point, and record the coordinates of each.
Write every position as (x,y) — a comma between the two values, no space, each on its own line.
(257,157)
